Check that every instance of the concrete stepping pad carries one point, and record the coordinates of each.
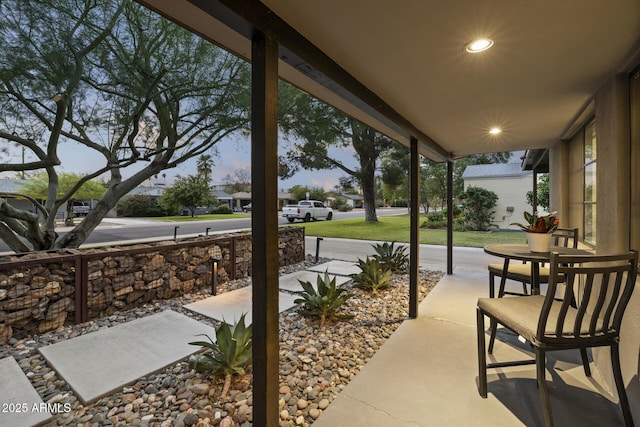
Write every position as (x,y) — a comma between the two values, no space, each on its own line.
(229,306)
(20,403)
(290,282)
(340,268)
(102,362)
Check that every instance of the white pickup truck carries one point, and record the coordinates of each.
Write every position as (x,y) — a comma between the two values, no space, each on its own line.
(307,210)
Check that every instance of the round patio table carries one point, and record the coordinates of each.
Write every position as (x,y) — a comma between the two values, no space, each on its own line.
(521,252)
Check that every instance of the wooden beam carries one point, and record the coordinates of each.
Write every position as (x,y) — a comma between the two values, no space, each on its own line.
(264,227)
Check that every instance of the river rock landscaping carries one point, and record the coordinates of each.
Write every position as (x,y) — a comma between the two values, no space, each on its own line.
(315,364)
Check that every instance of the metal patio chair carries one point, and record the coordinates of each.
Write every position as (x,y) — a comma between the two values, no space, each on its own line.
(602,284)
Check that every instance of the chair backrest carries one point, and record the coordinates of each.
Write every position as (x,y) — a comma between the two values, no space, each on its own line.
(598,289)
(564,236)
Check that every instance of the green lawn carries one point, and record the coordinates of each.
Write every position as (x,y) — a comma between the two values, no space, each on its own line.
(396,228)
(180,218)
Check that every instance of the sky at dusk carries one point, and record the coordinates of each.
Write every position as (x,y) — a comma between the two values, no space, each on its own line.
(230,155)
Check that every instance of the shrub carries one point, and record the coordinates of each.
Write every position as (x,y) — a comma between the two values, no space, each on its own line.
(460,224)
(324,301)
(391,257)
(230,354)
(137,206)
(373,275)
(478,208)
(222,209)
(437,216)
(399,203)
(340,203)
(434,224)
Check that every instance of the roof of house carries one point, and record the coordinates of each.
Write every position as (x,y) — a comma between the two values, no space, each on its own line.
(353,196)
(222,195)
(242,195)
(147,191)
(494,170)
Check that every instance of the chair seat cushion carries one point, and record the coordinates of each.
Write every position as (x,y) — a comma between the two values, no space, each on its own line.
(521,315)
(520,272)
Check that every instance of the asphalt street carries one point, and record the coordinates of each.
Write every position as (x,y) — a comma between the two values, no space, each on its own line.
(131,229)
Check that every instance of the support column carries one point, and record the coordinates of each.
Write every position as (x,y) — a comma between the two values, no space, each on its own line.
(264,228)
(414,240)
(535,191)
(450,208)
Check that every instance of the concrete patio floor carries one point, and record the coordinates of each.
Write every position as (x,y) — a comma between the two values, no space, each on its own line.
(426,373)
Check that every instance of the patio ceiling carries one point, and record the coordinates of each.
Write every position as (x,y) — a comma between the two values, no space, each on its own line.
(408,60)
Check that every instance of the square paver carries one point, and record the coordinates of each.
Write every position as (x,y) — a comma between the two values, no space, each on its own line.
(102,362)
(290,282)
(20,403)
(229,306)
(340,268)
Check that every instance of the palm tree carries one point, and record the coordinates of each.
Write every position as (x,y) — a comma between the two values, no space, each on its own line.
(205,166)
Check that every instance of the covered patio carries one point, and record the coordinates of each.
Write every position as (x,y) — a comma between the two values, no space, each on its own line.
(426,373)
(557,74)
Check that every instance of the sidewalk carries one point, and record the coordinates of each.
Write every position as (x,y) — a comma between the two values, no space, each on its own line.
(432,257)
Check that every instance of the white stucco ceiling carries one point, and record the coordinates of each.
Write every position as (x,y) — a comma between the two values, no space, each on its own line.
(548,60)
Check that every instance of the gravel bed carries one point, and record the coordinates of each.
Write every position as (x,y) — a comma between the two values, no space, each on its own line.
(315,364)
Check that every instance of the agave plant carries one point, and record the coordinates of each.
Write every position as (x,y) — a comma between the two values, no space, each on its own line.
(373,275)
(391,257)
(323,301)
(229,355)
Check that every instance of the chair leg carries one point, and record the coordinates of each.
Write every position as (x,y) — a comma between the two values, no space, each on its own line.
(482,357)
(622,393)
(585,362)
(492,285)
(542,387)
(493,326)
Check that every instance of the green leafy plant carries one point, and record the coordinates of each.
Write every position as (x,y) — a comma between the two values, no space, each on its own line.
(391,257)
(324,301)
(229,355)
(373,275)
(539,224)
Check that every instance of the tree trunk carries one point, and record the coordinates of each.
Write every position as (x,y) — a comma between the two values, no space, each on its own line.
(369,193)
(364,142)
(117,189)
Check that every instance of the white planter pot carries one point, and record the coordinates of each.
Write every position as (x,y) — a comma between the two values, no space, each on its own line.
(539,242)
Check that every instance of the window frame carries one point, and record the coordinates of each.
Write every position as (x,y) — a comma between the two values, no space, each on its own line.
(589,183)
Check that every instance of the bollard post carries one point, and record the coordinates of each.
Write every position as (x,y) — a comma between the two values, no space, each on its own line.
(318,247)
(206,231)
(214,274)
(175,232)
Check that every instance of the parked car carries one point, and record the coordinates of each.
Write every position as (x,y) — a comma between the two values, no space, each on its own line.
(246,208)
(307,210)
(80,208)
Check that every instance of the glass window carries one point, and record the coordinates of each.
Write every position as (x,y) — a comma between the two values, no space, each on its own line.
(589,206)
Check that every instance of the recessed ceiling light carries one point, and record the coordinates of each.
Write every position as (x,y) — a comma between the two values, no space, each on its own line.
(495,131)
(478,45)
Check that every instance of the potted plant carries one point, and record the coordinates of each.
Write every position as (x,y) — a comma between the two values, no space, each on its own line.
(539,230)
